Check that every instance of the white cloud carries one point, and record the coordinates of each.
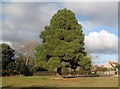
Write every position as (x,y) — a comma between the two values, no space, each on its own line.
(101,42)
(6,42)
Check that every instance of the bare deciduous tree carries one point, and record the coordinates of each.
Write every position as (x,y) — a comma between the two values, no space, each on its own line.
(27,49)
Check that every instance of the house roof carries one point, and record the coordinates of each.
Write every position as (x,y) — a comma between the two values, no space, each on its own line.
(113,64)
(110,64)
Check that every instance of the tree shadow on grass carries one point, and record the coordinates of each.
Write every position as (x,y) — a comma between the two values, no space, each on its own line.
(42,87)
(31,87)
(46,87)
(7,87)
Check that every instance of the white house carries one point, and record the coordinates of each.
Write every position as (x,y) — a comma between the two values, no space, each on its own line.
(111,66)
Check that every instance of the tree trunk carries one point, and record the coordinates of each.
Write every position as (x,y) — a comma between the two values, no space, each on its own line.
(59,71)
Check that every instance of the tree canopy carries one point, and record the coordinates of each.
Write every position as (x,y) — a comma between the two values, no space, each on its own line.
(62,43)
(7,54)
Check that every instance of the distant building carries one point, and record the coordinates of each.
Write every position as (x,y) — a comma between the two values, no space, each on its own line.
(111,67)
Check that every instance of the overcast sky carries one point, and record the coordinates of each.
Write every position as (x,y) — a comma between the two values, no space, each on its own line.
(23,21)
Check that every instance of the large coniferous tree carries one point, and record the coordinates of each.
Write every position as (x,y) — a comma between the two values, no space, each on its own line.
(62,43)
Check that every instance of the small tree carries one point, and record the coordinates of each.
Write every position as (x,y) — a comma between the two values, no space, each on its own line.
(20,64)
(21,67)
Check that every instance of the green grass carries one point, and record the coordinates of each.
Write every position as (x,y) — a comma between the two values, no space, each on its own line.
(47,81)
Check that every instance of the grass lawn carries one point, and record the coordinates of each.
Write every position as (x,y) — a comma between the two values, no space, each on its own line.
(47,81)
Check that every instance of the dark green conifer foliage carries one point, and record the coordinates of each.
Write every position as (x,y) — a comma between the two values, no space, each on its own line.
(7,57)
(62,43)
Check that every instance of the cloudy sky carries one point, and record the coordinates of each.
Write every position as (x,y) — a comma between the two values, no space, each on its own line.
(23,21)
